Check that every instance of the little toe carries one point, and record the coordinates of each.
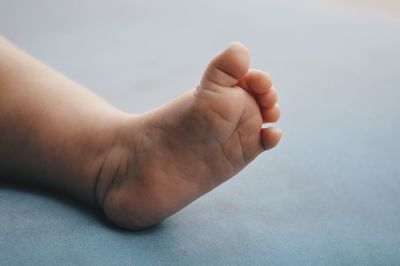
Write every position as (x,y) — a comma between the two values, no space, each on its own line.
(271,114)
(270,137)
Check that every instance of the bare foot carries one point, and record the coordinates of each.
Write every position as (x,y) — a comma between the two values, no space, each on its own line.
(162,160)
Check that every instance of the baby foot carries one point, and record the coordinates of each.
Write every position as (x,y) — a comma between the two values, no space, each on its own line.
(164,159)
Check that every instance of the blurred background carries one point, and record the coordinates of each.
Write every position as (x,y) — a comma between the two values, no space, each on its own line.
(329,194)
(141,47)
(389,9)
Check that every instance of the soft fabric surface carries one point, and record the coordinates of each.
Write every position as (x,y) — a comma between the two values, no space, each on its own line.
(328,195)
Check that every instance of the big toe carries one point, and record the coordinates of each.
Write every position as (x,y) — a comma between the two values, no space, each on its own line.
(227,67)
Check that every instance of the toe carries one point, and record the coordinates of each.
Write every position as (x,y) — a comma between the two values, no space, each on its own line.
(227,67)
(258,82)
(271,114)
(270,137)
(268,99)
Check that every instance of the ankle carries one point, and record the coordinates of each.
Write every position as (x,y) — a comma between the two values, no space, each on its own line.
(115,160)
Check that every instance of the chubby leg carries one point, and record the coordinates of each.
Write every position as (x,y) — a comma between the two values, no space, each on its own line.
(53,131)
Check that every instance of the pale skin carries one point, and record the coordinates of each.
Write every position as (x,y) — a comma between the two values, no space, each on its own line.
(139,169)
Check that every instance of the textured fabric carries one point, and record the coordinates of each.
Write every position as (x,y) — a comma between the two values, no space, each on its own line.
(328,195)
